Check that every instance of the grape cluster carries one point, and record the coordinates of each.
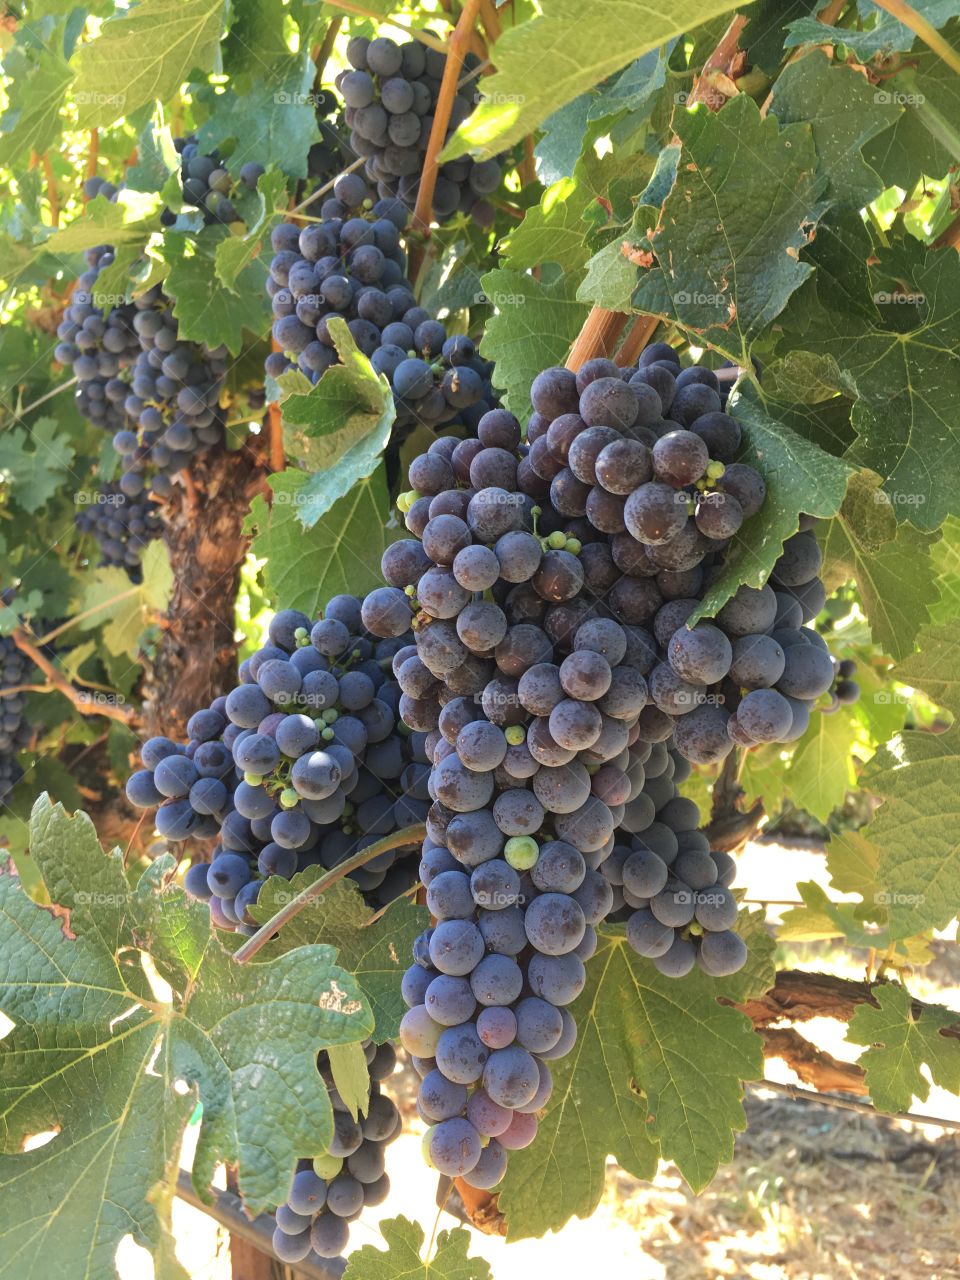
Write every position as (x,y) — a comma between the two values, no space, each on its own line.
(669,499)
(331,1190)
(158,394)
(301,764)
(207,185)
(844,690)
(391,94)
(672,890)
(351,264)
(123,527)
(15,732)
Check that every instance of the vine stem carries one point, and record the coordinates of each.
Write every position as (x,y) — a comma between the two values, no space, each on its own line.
(637,337)
(87,613)
(406,835)
(327,186)
(851,1104)
(597,337)
(321,54)
(923,29)
(93,152)
(62,685)
(53,195)
(35,404)
(456,48)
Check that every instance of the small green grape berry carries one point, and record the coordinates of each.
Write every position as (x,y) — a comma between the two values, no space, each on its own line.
(319,723)
(425,1146)
(715,470)
(691,508)
(403,506)
(536,511)
(556,540)
(289,798)
(300,633)
(515,734)
(521,852)
(410,590)
(327,734)
(327,1166)
(573,545)
(252,779)
(591,769)
(330,716)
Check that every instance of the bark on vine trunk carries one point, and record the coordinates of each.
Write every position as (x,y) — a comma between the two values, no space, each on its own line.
(203,532)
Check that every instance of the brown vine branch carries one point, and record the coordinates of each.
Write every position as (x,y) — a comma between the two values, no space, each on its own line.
(407,835)
(80,700)
(53,195)
(93,152)
(490,20)
(636,338)
(321,54)
(456,48)
(851,1104)
(814,1066)
(924,31)
(717,74)
(597,337)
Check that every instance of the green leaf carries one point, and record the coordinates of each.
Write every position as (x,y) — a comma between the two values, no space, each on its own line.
(553,231)
(35,95)
(945,555)
(376,954)
(533,327)
(799,476)
(931,668)
(31,476)
(97,1058)
(157,158)
(852,862)
(611,274)
(659,1063)
(821,768)
(845,111)
(145,54)
(552,58)
(340,553)
(276,119)
(403,1260)
(125,611)
(917,776)
(820,919)
(207,314)
(890,564)
(902,1044)
(237,252)
(891,328)
(351,1079)
(129,220)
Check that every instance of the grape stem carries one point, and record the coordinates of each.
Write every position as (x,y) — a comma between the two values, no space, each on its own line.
(456,48)
(406,835)
(850,1104)
(34,404)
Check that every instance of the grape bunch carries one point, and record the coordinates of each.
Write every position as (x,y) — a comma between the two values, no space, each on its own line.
(301,764)
(331,1190)
(391,94)
(645,460)
(122,526)
(351,264)
(670,888)
(158,394)
(206,183)
(15,733)
(844,690)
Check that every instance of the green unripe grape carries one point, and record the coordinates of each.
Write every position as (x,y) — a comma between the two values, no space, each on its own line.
(521,852)
(252,779)
(327,1166)
(425,1146)
(715,470)
(573,545)
(289,798)
(300,633)
(556,540)
(330,716)
(410,591)
(515,734)
(327,734)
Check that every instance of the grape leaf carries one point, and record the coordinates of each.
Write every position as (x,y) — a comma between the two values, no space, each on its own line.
(208,315)
(930,667)
(852,862)
(127,221)
(821,769)
(611,275)
(96,1057)
(820,919)
(376,954)
(945,555)
(403,1260)
(890,564)
(799,476)
(276,120)
(553,231)
(844,111)
(552,58)
(884,35)
(237,252)
(340,553)
(34,474)
(917,775)
(124,610)
(649,1052)
(891,329)
(351,1078)
(38,79)
(145,54)
(727,260)
(561,138)
(533,327)
(900,1045)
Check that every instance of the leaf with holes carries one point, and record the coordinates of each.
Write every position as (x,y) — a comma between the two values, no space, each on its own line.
(901,1045)
(403,1257)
